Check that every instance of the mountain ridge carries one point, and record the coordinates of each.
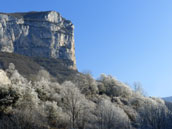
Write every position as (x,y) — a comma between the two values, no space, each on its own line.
(168,99)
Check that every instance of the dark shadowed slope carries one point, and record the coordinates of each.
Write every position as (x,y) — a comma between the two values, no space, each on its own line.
(29,66)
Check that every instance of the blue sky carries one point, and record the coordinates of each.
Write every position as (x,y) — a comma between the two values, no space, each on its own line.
(129,39)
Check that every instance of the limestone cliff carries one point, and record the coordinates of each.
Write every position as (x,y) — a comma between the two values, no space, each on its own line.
(38,34)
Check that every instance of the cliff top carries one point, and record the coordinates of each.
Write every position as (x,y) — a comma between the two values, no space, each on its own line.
(30,14)
(37,15)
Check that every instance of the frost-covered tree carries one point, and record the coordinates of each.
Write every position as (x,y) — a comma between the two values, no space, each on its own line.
(4,80)
(47,90)
(110,116)
(55,115)
(8,97)
(138,89)
(74,102)
(113,87)
(90,86)
(86,84)
(154,116)
(11,69)
(43,75)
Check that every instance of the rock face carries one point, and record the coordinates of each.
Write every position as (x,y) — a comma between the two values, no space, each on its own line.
(38,34)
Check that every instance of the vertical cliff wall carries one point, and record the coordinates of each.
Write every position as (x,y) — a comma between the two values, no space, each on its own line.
(38,34)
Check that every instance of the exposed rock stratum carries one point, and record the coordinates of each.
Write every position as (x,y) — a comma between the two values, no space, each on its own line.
(38,34)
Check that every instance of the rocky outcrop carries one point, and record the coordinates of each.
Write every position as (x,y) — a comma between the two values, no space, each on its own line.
(38,34)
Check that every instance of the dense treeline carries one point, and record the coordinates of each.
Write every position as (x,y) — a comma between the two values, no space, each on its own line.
(83,103)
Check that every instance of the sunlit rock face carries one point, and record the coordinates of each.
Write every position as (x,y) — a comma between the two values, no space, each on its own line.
(4,80)
(38,34)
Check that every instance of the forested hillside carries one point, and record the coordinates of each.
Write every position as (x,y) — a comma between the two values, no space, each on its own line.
(82,103)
